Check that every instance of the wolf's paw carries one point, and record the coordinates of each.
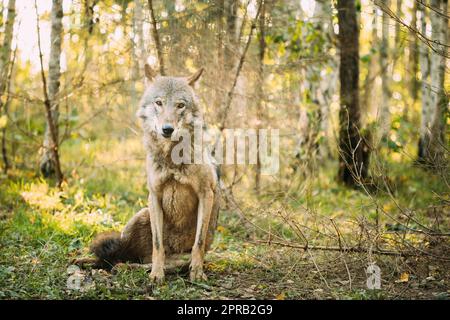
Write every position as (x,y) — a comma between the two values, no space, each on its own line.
(197,274)
(82,262)
(117,267)
(157,276)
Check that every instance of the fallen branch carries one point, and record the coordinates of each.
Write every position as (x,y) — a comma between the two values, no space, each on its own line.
(350,250)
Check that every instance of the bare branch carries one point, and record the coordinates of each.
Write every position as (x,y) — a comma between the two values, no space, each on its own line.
(230,94)
(155,35)
(422,37)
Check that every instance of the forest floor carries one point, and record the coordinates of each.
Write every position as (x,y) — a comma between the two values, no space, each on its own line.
(42,229)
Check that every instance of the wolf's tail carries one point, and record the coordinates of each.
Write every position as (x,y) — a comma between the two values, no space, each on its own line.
(109,248)
(133,245)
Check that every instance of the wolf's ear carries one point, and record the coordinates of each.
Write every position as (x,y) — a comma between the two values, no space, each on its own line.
(149,72)
(194,77)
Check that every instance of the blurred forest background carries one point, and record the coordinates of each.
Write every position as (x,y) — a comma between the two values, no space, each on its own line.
(359,91)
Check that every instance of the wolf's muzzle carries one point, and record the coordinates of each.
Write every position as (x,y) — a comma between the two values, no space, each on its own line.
(167,130)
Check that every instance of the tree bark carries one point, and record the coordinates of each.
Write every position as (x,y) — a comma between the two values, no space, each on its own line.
(50,162)
(5,72)
(260,90)
(231,45)
(435,152)
(398,13)
(139,25)
(5,53)
(218,94)
(413,58)
(137,51)
(385,115)
(352,170)
(425,88)
(372,68)
(328,84)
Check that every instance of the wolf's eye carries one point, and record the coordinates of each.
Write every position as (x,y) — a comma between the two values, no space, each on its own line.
(158,103)
(180,105)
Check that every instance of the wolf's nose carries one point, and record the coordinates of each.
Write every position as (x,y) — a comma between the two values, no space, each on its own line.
(167,130)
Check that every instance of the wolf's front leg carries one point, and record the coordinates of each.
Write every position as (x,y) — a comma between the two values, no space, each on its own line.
(158,254)
(198,250)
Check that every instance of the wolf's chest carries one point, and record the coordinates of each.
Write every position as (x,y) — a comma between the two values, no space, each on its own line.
(179,204)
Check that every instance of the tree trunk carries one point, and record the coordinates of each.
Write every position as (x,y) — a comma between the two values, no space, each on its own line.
(425,88)
(5,53)
(139,22)
(231,45)
(328,83)
(88,17)
(372,69)
(5,71)
(398,13)
(352,170)
(311,86)
(260,90)
(48,161)
(218,94)
(385,115)
(435,149)
(88,25)
(413,58)
(5,74)
(137,51)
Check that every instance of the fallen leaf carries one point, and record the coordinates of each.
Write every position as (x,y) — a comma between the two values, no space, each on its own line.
(281,296)
(404,277)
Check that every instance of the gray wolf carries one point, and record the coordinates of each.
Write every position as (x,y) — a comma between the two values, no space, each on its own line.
(184,198)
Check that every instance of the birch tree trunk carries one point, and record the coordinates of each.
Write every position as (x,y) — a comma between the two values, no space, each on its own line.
(328,83)
(5,51)
(48,162)
(5,74)
(435,150)
(384,64)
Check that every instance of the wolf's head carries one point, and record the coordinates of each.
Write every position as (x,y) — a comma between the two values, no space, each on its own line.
(169,104)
